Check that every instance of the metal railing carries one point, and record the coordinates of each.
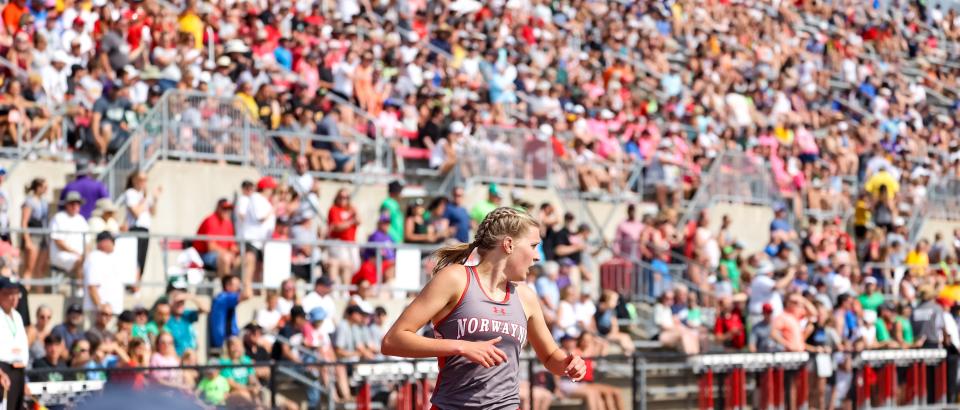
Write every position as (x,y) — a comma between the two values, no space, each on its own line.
(171,245)
(712,380)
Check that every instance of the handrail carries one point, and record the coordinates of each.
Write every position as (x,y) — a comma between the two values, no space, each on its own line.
(32,146)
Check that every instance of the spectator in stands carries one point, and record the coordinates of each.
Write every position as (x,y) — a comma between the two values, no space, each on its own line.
(71,329)
(138,329)
(161,318)
(927,319)
(165,355)
(608,325)
(257,218)
(100,327)
(728,327)
(760,339)
(416,229)
(55,357)
(35,214)
(484,207)
(434,217)
(182,320)
(141,209)
(362,296)
(391,207)
(242,380)
(627,237)
(109,124)
(344,221)
(291,337)
(269,317)
(903,328)
(68,226)
(288,296)
(764,289)
(567,324)
(213,387)
(104,219)
(548,291)
(352,340)
(80,355)
(321,298)
(673,333)
(101,273)
(220,255)
(39,331)
(457,216)
(223,315)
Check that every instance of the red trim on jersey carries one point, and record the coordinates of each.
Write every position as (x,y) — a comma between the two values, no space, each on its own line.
(459,301)
(480,285)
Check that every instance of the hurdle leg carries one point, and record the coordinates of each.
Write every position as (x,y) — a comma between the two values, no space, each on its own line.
(363,397)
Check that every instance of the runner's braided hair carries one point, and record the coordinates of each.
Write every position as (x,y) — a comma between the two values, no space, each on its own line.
(499,223)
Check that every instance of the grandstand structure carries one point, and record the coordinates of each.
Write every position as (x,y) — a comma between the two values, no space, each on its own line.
(781,156)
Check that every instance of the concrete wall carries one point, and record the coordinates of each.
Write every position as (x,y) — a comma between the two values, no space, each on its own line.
(751,223)
(57,175)
(943,226)
(191,190)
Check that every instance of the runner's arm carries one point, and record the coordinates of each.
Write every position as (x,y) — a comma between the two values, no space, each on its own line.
(436,300)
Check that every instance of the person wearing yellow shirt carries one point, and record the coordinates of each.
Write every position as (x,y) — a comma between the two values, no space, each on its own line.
(245,95)
(191,23)
(861,215)
(917,259)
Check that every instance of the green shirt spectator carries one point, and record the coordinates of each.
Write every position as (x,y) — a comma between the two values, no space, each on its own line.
(213,389)
(883,334)
(391,206)
(906,329)
(871,301)
(481,209)
(240,375)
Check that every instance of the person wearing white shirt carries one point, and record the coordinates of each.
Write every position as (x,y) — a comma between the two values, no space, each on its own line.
(765,289)
(68,226)
(320,298)
(256,224)
(14,348)
(141,207)
(101,277)
(54,77)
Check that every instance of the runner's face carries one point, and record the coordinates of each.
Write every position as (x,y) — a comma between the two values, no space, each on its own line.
(523,255)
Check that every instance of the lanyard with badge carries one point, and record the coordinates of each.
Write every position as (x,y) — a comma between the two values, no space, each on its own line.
(12,328)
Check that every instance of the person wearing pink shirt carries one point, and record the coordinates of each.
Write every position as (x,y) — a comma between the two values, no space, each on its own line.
(789,334)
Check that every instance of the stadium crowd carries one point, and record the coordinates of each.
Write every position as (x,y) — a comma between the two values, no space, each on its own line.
(849,106)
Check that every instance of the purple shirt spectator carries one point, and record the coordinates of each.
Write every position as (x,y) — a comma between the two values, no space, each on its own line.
(379,236)
(90,189)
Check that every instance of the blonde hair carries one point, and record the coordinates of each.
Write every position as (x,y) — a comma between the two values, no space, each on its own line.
(499,223)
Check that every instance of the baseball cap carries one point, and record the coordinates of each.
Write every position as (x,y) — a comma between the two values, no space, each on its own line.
(7,282)
(384,218)
(75,308)
(317,314)
(266,182)
(252,327)
(355,309)
(74,196)
(494,190)
(395,187)
(767,308)
(323,281)
(870,280)
(224,203)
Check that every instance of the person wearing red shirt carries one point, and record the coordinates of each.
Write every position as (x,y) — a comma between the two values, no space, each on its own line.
(12,13)
(343,222)
(222,254)
(729,326)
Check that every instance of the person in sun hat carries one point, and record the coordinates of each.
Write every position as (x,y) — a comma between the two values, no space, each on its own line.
(67,242)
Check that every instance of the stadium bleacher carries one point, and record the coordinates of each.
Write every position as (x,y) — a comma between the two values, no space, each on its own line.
(747,176)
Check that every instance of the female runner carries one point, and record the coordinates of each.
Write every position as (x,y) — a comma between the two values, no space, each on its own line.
(482,318)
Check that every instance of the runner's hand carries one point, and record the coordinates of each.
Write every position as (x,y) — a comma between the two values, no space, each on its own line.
(485,353)
(575,368)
